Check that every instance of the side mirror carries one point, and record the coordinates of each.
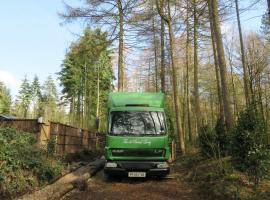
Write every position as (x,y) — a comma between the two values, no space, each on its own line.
(162,129)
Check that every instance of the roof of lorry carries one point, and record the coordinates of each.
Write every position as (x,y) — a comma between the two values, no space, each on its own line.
(136,99)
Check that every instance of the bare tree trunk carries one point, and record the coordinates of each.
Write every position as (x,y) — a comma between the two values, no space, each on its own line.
(196,87)
(222,64)
(97,108)
(235,109)
(268,4)
(121,47)
(267,117)
(212,109)
(242,53)
(168,19)
(190,133)
(175,90)
(221,108)
(155,55)
(260,98)
(162,48)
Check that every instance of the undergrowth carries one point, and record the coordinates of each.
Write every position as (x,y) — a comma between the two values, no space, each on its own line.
(240,152)
(218,179)
(24,166)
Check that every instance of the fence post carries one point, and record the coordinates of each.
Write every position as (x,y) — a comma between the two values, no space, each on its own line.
(43,134)
(64,141)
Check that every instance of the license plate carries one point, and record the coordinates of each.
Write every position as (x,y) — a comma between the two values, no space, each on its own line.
(136,174)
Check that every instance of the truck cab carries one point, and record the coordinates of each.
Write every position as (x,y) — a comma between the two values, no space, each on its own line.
(137,138)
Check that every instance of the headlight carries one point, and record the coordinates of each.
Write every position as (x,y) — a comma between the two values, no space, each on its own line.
(111,165)
(162,165)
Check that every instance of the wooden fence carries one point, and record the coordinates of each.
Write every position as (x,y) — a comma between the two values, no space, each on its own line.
(27,125)
(69,139)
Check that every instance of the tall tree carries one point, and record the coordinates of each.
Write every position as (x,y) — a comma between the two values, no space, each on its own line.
(36,96)
(24,98)
(190,132)
(121,46)
(219,92)
(5,99)
(168,19)
(86,77)
(49,99)
(111,15)
(268,4)
(195,63)
(265,27)
(162,50)
(245,78)
(213,14)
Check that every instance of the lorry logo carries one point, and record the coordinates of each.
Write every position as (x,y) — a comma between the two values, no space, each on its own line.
(137,141)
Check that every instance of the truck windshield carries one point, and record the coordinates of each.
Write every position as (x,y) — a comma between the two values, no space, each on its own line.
(137,123)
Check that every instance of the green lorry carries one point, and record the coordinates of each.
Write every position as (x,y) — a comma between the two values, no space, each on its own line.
(137,139)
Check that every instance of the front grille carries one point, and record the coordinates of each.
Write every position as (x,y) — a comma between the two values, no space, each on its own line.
(138,165)
(138,152)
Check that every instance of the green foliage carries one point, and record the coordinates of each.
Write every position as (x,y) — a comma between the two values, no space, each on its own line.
(36,97)
(169,120)
(51,146)
(24,98)
(23,165)
(214,142)
(208,142)
(87,61)
(222,137)
(35,100)
(49,98)
(249,151)
(5,99)
(265,27)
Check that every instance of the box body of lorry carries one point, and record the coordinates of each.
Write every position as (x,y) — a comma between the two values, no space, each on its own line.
(137,139)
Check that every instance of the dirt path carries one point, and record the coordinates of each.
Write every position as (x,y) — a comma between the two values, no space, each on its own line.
(100,188)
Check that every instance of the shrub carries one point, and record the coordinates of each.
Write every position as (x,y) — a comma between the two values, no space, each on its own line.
(51,146)
(249,151)
(208,142)
(23,165)
(214,142)
(222,137)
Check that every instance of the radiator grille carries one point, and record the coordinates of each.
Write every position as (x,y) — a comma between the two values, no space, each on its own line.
(138,152)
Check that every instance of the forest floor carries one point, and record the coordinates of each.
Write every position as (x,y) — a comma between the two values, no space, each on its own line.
(192,177)
(173,187)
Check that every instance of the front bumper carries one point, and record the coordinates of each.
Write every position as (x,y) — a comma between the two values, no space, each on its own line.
(150,167)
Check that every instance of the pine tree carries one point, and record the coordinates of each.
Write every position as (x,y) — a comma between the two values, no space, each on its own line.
(5,99)
(49,99)
(36,97)
(87,67)
(24,98)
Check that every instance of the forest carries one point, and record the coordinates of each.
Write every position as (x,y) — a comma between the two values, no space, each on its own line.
(217,84)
